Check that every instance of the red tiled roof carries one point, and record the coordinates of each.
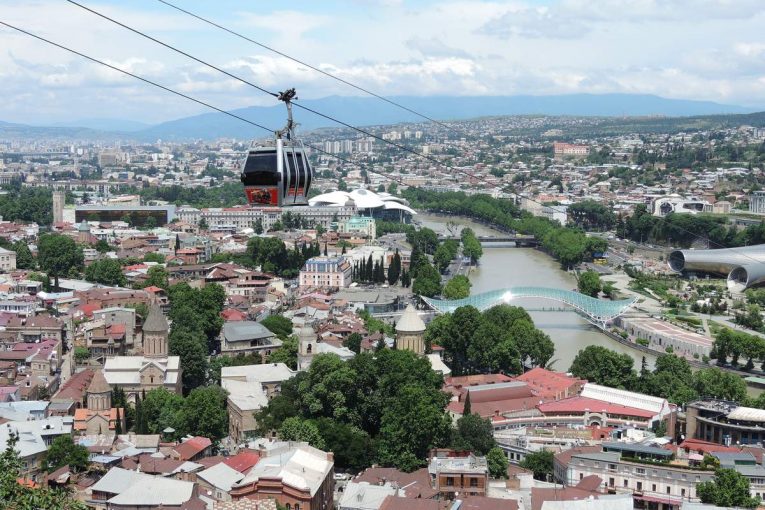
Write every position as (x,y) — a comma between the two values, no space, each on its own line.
(547,381)
(243,461)
(581,404)
(192,447)
(484,503)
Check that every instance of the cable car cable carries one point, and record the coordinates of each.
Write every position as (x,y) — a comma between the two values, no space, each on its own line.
(192,57)
(133,75)
(310,66)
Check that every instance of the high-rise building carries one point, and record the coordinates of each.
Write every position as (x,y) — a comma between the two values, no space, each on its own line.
(757,202)
(58,206)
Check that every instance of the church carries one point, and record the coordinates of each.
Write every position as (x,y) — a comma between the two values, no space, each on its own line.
(154,369)
(99,417)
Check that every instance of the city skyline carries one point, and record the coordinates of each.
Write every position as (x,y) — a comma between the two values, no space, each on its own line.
(456,48)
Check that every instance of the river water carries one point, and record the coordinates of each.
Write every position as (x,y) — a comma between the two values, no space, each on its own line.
(502,267)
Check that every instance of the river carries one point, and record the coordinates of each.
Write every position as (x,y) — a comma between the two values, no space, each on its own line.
(502,267)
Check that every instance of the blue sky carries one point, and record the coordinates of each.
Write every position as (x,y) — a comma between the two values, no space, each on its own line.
(689,49)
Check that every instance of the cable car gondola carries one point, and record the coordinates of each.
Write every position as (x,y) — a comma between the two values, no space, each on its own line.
(278,175)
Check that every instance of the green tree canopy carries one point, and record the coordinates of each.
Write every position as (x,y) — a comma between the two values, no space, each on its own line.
(59,255)
(589,283)
(457,288)
(278,325)
(603,366)
(24,258)
(474,433)
(295,429)
(106,272)
(62,452)
(729,488)
(540,463)
(497,462)
(427,283)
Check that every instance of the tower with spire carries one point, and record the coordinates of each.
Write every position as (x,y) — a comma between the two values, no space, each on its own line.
(155,333)
(99,393)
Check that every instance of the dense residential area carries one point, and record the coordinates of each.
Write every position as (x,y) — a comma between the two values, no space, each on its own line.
(165,345)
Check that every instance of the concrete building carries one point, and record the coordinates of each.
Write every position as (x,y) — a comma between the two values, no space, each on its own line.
(7,260)
(247,337)
(361,226)
(326,272)
(724,422)
(59,199)
(237,218)
(661,334)
(640,470)
(250,388)
(757,202)
(296,475)
(410,332)
(458,472)
(99,417)
(124,489)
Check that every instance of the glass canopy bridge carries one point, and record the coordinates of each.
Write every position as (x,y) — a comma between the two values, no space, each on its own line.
(597,311)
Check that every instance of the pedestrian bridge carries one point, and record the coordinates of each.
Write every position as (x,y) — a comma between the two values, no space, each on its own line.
(597,311)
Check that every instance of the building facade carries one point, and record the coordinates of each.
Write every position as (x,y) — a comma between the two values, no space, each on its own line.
(326,272)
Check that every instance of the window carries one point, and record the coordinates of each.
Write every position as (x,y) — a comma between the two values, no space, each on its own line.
(682,492)
(449,482)
(610,482)
(640,486)
(612,467)
(639,471)
(669,489)
(474,482)
(653,487)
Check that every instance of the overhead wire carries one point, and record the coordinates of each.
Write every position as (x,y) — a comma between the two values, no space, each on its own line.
(181,94)
(274,94)
(310,66)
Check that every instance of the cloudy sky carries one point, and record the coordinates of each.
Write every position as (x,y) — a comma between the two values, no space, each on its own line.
(689,49)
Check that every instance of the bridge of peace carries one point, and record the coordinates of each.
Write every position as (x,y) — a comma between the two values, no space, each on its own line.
(597,311)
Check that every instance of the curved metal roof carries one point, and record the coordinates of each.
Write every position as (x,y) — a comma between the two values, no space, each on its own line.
(596,310)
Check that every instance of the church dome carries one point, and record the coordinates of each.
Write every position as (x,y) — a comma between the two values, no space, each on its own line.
(410,322)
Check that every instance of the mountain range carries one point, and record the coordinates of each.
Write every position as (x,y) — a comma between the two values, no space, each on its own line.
(366,111)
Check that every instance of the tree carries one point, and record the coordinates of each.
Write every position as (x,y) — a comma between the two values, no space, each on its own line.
(118,424)
(160,409)
(411,426)
(62,452)
(156,276)
(81,354)
(540,463)
(278,325)
(428,281)
(713,382)
(394,269)
(287,353)
(497,462)
(106,272)
(154,257)
(603,366)
(457,288)
(204,413)
(473,433)
(191,346)
(258,226)
(203,224)
(59,255)
(471,246)
(589,283)
(295,429)
(20,496)
(467,407)
(353,342)
(24,258)
(729,488)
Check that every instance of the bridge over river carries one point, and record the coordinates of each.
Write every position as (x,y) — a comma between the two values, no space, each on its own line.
(518,239)
(597,311)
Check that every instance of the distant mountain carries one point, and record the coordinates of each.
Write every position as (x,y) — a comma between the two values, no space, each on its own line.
(365,111)
(105,124)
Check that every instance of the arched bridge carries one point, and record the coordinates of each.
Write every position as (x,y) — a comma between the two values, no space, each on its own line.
(597,311)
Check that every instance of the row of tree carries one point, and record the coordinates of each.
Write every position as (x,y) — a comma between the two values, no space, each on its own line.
(671,378)
(569,245)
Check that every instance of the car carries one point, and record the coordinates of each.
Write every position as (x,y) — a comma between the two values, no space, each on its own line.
(341,476)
